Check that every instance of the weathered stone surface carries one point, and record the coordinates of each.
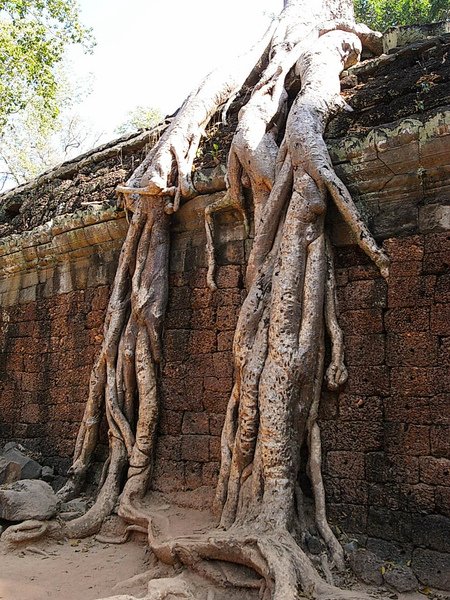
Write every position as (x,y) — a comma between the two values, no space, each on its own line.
(396,37)
(367,566)
(434,217)
(389,551)
(401,578)
(432,568)
(27,499)
(48,474)
(74,508)
(29,468)
(9,471)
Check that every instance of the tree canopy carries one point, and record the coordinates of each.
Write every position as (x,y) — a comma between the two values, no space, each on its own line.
(381,14)
(33,37)
(141,117)
(33,141)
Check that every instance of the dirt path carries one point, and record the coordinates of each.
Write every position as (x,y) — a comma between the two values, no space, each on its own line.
(72,570)
(87,569)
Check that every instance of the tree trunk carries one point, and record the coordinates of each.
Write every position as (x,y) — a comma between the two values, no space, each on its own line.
(280,337)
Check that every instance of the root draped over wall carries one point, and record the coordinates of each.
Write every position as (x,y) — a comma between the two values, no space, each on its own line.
(279,152)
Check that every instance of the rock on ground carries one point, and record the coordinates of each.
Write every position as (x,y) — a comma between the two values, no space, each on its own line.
(27,499)
(432,568)
(9,471)
(17,465)
(367,566)
(401,578)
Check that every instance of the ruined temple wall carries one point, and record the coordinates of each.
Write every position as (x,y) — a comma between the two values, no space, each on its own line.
(385,436)
(386,458)
(54,292)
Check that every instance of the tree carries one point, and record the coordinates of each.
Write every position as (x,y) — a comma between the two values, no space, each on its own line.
(33,141)
(33,37)
(271,420)
(142,117)
(381,14)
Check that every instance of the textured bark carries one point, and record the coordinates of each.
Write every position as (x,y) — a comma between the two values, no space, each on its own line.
(279,345)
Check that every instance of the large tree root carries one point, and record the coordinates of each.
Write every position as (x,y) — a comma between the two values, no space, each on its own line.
(272,563)
(271,428)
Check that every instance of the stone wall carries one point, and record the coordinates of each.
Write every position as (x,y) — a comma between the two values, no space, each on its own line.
(386,435)
(54,292)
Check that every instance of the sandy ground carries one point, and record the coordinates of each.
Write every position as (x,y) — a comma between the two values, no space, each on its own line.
(88,569)
(71,571)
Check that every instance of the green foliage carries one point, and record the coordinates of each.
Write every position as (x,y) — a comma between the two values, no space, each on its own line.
(34,141)
(142,117)
(381,14)
(33,37)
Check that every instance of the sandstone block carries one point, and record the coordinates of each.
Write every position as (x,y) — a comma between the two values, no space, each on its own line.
(358,436)
(27,499)
(417,381)
(440,441)
(195,448)
(411,291)
(227,318)
(442,498)
(228,276)
(435,471)
(362,322)
(390,525)
(431,531)
(381,467)
(210,473)
(216,422)
(203,318)
(345,464)
(408,409)
(368,380)
(440,319)
(432,568)
(417,349)
(401,578)
(29,468)
(9,471)
(202,342)
(225,340)
(360,408)
(389,551)
(401,438)
(405,249)
(178,319)
(170,422)
(201,298)
(370,293)
(193,474)
(364,349)
(442,292)
(195,423)
(367,566)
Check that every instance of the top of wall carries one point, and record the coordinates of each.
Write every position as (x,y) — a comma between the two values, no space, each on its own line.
(399,98)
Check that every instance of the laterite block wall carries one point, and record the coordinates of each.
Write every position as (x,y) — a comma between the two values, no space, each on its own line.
(386,452)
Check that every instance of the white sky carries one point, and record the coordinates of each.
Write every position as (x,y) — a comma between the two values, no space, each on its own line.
(153,53)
